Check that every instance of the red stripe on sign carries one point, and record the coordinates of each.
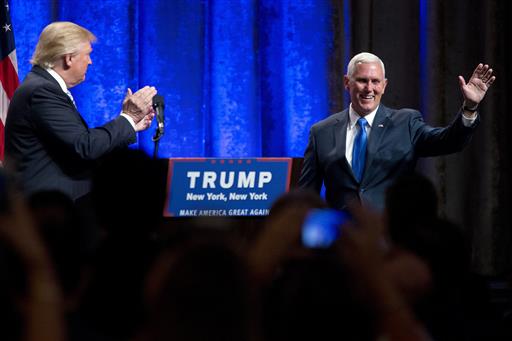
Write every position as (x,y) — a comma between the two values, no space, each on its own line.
(8,77)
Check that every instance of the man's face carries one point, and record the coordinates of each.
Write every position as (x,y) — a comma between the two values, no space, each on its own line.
(366,87)
(78,64)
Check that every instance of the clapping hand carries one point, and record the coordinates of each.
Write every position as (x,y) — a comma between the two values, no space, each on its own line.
(474,90)
(139,104)
(145,123)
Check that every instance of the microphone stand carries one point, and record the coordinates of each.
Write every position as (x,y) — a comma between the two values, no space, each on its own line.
(159,132)
(158,107)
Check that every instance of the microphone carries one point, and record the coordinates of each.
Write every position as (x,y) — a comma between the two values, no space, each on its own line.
(158,106)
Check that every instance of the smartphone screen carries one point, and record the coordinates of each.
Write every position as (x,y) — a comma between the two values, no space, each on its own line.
(322,227)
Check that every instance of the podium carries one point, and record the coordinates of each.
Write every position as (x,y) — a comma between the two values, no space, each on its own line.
(227,187)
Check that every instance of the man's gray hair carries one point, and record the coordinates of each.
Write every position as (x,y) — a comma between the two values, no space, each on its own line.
(362,58)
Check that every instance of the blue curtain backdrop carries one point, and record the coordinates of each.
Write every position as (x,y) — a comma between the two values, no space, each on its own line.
(240,78)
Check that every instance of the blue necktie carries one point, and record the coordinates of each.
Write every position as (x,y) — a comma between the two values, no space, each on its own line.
(359,151)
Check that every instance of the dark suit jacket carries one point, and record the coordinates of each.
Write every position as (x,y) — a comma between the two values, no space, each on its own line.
(396,140)
(49,144)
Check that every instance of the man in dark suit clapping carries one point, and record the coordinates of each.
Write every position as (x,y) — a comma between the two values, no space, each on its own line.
(47,142)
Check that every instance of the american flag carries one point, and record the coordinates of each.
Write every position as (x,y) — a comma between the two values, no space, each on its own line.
(8,68)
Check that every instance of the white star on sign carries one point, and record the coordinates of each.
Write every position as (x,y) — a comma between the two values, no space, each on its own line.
(7,27)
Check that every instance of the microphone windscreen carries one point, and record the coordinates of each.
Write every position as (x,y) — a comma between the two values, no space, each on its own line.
(158,101)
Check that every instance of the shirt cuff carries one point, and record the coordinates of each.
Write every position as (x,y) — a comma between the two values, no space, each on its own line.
(468,121)
(129,119)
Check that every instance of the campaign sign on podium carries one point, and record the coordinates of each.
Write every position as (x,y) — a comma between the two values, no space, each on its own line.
(225,187)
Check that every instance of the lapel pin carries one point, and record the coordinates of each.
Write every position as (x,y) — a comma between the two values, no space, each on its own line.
(381,126)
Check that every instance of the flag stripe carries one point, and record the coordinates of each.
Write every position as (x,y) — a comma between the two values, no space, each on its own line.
(2,136)
(8,77)
(4,105)
(9,80)
(14,60)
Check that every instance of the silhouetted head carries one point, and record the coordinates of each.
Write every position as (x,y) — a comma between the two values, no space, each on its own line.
(58,221)
(313,299)
(199,291)
(296,198)
(412,199)
(129,192)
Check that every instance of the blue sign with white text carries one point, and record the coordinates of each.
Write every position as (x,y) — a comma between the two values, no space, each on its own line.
(225,187)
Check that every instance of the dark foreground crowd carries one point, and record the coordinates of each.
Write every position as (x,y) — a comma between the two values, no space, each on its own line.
(110,268)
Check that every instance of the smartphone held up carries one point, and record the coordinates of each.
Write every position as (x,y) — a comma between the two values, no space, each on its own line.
(322,227)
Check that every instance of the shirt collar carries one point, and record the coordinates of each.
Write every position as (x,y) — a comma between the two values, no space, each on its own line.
(59,79)
(353,116)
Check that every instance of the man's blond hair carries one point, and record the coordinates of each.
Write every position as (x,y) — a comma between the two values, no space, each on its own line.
(59,39)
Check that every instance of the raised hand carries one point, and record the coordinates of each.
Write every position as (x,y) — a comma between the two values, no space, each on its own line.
(364,257)
(17,229)
(139,104)
(43,311)
(474,90)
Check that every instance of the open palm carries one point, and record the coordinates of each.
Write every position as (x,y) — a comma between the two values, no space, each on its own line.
(474,90)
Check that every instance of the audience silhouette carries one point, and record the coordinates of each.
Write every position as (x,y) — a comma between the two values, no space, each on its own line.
(403,275)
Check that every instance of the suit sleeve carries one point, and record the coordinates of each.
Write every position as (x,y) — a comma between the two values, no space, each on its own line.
(311,176)
(59,124)
(430,141)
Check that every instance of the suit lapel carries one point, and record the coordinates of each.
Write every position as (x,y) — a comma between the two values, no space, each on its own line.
(340,137)
(380,125)
(43,73)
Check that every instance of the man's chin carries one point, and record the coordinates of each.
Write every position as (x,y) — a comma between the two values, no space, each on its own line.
(365,110)
(76,83)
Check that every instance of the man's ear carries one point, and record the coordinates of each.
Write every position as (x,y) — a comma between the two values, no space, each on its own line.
(384,86)
(346,80)
(68,60)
